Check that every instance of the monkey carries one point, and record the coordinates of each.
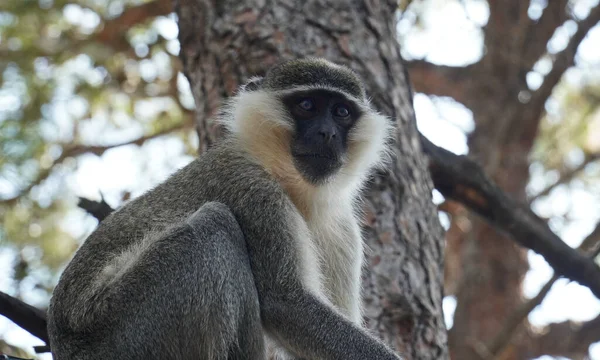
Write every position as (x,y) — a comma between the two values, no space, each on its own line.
(252,248)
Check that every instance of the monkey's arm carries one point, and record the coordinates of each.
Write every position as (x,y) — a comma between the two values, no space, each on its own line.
(312,330)
(290,312)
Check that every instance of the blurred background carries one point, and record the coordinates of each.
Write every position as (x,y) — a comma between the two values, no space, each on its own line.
(93,104)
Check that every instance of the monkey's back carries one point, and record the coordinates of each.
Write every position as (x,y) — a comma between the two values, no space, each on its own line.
(222,174)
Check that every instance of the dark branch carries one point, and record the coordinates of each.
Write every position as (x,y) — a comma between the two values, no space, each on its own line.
(42,349)
(461,179)
(98,209)
(26,316)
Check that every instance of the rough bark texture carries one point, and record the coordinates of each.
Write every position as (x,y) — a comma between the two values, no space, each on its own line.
(224,42)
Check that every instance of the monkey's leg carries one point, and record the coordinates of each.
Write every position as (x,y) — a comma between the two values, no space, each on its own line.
(247,341)
(189,294)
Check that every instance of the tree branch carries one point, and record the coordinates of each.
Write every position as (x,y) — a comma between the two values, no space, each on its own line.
(112,34)
(507,20)
(98,209)
(567,176)
(590,246)
(114,30)
(540,31)
(565,339)
(26,316)
(77,150)
(441,80)
(461,179)
(563,60)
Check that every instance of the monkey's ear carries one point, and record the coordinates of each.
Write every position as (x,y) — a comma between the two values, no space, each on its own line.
(253,84)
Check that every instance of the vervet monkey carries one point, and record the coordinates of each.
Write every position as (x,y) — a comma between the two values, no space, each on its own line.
(256,242)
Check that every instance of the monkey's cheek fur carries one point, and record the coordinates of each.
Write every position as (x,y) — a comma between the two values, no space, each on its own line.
(317,168)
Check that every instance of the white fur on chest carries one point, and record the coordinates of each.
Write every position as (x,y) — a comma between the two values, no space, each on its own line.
(332,257)
(337,240)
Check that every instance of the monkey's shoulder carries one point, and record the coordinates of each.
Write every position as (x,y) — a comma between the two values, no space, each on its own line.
(223,173)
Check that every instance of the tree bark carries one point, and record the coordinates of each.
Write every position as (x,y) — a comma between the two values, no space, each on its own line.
(225,42)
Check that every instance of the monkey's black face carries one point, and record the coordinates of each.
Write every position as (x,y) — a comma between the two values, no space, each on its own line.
(322,119)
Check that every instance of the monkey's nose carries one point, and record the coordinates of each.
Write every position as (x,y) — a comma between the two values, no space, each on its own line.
(327,134)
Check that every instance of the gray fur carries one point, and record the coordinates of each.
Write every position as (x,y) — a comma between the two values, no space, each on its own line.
(204,266)
(301,72)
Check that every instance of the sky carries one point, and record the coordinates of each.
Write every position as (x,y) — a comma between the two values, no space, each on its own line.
(449,35)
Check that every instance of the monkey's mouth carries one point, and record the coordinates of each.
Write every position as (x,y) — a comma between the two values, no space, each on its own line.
(316,167)
(317,156)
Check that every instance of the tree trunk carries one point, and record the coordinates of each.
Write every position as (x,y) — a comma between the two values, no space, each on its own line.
(225,42)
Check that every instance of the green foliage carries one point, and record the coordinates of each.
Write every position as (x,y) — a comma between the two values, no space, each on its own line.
(70,72)
(569,136)
(567,126)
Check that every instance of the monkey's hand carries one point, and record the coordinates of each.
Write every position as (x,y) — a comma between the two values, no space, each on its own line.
(312,330)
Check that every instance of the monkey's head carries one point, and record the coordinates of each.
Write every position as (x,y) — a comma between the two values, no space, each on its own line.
(310,118)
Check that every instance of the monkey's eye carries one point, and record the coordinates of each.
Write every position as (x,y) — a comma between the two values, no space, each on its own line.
(341,111)
(306,105)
